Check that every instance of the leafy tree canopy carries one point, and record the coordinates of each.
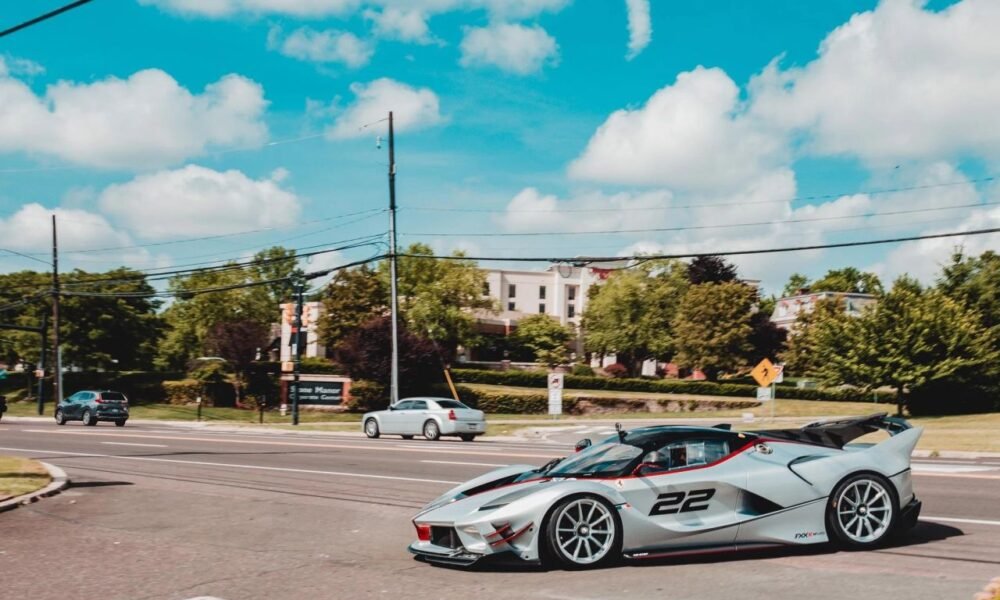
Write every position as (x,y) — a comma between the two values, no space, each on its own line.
(711,269)
(545,337)
(712,327)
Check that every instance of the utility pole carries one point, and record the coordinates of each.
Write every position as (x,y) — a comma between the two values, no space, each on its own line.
(57,380)
(296,351)
(394,377)
(41,364)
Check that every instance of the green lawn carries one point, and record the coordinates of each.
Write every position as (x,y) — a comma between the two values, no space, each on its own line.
(21,476)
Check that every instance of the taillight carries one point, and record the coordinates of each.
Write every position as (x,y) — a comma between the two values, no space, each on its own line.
(423,532)
(451,415)
(100,401)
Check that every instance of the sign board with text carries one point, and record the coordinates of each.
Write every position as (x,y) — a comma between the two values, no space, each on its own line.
(317,390)
(556,383)
(764,394)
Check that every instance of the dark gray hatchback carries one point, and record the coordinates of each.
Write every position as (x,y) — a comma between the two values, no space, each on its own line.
(93,406)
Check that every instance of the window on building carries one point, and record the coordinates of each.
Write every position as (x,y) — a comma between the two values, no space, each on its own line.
(511,291)
(571,311)
(510,306)
(571,291)
(541,309)
(541,292)
(486,288)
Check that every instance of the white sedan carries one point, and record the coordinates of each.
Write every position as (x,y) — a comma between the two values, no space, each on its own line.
(430,417)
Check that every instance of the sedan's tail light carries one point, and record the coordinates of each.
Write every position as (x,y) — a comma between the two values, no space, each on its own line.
(423,532)
(451,415)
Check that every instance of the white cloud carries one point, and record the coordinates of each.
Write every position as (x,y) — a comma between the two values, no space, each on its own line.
(640,27)
(30,229)
(147,120)
(413,108)
(13,65)
(328,46)
(896,83)
(532,211)
(194,201)
(400,24)
(510,47)
(693,134)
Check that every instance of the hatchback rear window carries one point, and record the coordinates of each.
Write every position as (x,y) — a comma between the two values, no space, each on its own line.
(112,396)
(450,404)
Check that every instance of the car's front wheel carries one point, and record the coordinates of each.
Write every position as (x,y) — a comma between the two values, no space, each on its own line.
(89,418)
(862,511)
(60,417)
(371,428)
(584,532)
(467,437)
(431,430)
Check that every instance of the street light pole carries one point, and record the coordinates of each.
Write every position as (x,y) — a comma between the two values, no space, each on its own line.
(296,351)
(57,380)
(394,376)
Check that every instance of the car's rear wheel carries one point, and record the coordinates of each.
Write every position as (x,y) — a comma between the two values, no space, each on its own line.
(584,532)
(406,437)
(862,511)
(88,418)
(431,430)
(467,437)
(60,417)
(371,428)
(120,422)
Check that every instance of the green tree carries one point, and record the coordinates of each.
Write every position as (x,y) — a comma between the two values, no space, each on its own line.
(796,282)
(910,339)
(802,352)
(352,298)
(975,282)
(437,297)
(277,263)
(631,315)
(848,280)
(711,269)
(545,337)
(712,327)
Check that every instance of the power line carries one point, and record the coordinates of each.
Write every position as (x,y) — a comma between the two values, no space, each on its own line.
(44,17)
(876,192)
(584,260)
(704,227)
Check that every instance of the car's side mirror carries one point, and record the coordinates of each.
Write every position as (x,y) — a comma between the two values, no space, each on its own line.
(583,444)
(392,407)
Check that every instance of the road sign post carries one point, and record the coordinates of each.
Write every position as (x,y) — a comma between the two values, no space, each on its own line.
(556,381)
(767,374)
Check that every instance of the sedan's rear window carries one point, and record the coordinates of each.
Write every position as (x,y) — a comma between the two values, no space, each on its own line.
(112,396)
(450,404)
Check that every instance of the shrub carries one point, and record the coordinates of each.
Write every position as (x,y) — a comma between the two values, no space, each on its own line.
(616,371)
(582,370)
(366,396)
(184,391)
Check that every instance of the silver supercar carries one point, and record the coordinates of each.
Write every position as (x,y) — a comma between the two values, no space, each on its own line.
(672,490)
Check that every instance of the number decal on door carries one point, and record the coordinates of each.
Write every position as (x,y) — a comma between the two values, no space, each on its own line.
(672,503)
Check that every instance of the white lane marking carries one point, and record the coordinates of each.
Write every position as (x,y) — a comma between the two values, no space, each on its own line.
(135,444)
(961,475)
(949,468)
(454,462)
(231,465)
(958,520)
(388,448)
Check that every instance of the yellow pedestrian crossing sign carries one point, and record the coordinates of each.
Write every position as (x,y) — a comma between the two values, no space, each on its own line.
(765,373)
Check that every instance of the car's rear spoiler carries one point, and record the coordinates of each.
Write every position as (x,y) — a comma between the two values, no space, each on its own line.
(836,434)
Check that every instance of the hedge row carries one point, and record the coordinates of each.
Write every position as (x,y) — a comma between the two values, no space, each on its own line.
(538,379)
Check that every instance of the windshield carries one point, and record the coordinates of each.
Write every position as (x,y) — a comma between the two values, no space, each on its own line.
(603,459)
(450,404)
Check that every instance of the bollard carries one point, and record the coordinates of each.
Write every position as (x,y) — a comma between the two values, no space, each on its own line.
(199,409)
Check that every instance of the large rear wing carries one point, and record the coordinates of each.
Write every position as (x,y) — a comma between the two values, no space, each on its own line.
(838,433)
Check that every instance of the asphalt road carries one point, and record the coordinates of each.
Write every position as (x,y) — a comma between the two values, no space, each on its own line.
(178,513)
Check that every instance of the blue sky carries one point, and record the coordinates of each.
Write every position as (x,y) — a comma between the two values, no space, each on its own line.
(144,123)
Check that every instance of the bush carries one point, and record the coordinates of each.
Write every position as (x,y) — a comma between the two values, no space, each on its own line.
(538,379)
(582,370)
(366,396)
(616,371)
(184,391)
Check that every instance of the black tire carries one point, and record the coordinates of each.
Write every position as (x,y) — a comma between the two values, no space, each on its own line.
(855,513)
(89,419)
(431,430)
(120,422)
(406,437)
(371,429)
(467,437)
(555,539)
(60,417)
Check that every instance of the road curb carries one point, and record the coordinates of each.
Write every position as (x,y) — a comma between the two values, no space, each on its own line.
(59,482)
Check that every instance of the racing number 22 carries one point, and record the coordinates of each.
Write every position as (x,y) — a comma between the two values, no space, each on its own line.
(681,502)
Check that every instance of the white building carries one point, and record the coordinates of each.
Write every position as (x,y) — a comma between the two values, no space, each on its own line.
(788,309)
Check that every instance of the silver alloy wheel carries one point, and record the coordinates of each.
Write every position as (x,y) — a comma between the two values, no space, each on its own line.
(431,430)
(87,417)
(371,428)
(585,531)
(864,511)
